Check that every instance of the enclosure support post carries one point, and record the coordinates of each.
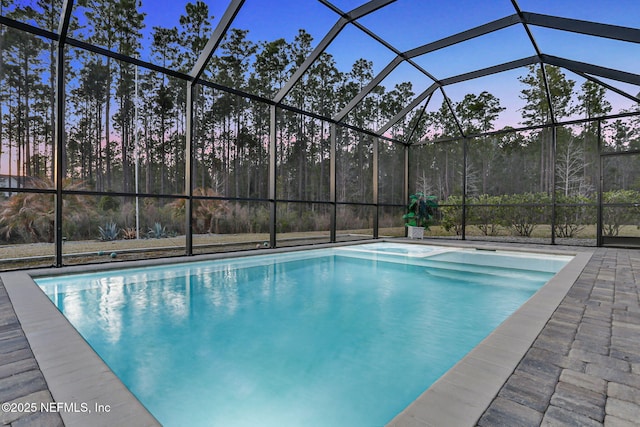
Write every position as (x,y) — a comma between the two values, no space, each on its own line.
(59,134)
(405,186)
(600,187)
(272,174)
(59,153)
(332,184)
(188,172)
(465,156)
(376,157)
(554,147)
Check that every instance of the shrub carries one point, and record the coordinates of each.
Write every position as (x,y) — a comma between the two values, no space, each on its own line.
(523,212)
(29,217)
(127,214)
(259,220)
(108,203)
(614,217)
(209,212)
(129,233)
(486,218)
(570,220)
(451,211)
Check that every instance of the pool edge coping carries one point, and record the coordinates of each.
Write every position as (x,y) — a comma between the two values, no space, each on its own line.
(471,384)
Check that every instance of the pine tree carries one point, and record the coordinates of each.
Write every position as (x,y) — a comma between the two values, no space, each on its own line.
(24,67)
(537,111)
(128,28)
(477,114)
(194,32)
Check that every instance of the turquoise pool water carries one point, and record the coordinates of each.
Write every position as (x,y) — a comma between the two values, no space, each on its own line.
(328,337)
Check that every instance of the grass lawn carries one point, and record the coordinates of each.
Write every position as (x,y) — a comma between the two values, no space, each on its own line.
(91,251)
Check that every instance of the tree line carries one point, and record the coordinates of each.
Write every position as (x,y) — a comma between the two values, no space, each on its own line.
(118,117)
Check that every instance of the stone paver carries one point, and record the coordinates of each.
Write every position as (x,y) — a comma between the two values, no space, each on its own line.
(599,383)
(21,381)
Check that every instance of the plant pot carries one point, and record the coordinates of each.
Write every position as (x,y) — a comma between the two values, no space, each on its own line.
(415,232)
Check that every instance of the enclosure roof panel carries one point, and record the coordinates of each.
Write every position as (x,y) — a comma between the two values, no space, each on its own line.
(478,53)
(619,12)
(599,51)
(406,24)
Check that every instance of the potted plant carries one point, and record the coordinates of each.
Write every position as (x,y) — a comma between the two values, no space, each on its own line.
(419,214)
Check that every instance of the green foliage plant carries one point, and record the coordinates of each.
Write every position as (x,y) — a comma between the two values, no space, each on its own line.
(614,217)
(109,232)
(451,211)
(524,211)
(572,215)
(420,210)
(484,216)
(108,203)
(158,231)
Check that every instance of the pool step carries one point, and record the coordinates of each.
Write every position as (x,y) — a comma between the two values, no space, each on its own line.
(467,268)
(506,278)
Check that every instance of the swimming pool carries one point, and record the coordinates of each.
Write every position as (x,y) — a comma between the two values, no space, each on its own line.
(344,336)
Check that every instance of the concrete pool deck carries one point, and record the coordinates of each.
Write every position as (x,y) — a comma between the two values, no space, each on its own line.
(570,356)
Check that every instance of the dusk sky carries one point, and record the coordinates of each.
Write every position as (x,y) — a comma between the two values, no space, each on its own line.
(406,24)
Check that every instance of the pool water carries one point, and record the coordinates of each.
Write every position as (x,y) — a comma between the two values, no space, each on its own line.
(343,336)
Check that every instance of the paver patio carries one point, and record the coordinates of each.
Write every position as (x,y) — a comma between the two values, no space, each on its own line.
(584,368)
